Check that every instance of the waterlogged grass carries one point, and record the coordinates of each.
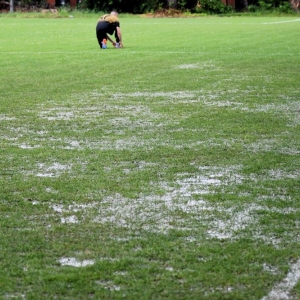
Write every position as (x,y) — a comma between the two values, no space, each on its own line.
(167,169)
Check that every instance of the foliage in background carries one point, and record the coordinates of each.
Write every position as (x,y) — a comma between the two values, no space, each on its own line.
(150,6)
(213,7)
(138,6)
(201,6)
(130,6)
(271,5)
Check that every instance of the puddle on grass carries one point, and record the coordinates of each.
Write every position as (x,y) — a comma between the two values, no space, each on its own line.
(188,66)
(57,114)
(157,213)
(168,95)
(225,229)
(45,170)
(121,273)
(160,214)
(70,220)
(26,146)
(108,285)
(6,118)
(187,194)
(122,116)
(73,262)
(270,269)
(15,295)
(208,65)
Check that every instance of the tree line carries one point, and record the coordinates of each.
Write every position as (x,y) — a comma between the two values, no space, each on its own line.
(192,6)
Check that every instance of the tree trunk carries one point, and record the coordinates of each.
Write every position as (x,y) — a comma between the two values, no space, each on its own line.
(11,5)
(295,4)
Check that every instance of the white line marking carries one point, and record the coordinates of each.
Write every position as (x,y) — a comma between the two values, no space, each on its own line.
(280,22)
(281,290)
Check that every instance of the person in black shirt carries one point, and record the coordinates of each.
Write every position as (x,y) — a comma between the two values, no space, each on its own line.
(109,24)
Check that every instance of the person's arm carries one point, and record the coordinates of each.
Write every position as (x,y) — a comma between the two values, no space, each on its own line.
(108,38)
(119,36)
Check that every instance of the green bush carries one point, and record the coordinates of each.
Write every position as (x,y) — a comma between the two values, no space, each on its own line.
(186,4)
(213,7)
(253,8)
(265,5)
(285,7)
(194,6)
(32,3)
(130,6)
(275,5)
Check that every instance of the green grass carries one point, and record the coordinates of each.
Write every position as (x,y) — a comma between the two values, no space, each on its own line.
(169,169)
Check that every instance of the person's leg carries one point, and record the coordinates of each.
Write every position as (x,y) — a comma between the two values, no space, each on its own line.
(101,30)
(100,36)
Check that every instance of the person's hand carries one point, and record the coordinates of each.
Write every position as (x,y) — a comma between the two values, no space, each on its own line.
(121,45)
(114,44)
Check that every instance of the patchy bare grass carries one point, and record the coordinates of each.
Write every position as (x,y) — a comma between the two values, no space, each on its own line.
(163,170)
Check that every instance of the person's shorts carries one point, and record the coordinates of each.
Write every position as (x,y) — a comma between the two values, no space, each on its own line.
(102,26)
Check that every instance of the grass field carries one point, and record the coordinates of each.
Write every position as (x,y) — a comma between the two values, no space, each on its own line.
(169,169)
